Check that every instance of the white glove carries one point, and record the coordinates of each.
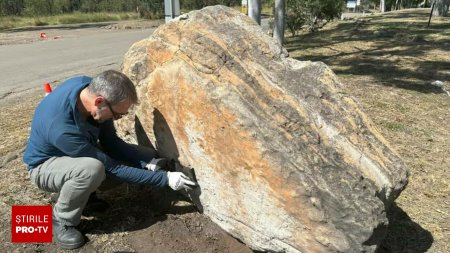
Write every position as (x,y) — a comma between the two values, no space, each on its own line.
(156,164)
(178,181)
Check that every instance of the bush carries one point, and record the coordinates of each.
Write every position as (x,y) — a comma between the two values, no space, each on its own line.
(92,17)
(198,4)
(151,10)
(296,15)
(308,12)
(39,22)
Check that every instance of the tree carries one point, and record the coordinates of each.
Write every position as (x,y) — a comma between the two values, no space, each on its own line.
(254,10)
(11,7)
(296,15)
(399,4)
(279,16)
(441,8)
(39,7)
(307,13)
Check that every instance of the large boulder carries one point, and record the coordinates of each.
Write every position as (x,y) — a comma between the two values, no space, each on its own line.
(285,161)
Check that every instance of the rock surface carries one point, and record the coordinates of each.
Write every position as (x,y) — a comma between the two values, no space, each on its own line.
(285,161)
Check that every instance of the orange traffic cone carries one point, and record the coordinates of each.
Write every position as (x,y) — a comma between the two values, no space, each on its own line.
(48,88)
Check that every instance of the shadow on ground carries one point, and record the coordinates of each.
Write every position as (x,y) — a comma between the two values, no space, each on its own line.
(404,235)
(135,207)
(397,47)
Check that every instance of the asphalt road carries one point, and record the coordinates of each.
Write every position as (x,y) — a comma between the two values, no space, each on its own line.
(28,66)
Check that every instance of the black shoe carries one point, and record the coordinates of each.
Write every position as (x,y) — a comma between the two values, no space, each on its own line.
(68,237)
(95,205)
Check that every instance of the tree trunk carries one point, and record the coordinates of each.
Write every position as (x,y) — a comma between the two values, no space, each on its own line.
(397,2)
(382,6)
(254,10)
(441,8)
(280,16)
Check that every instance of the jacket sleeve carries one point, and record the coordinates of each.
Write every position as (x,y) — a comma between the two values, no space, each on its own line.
(119,149)
(74,144)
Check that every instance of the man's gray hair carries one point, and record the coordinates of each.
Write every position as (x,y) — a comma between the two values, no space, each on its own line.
(114,86)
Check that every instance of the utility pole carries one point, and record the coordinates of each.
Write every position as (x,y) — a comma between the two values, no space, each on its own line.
(280,14)
(382,6)
(254,10)
(171,9)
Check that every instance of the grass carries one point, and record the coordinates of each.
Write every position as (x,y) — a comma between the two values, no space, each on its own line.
(73,18)
(393,126)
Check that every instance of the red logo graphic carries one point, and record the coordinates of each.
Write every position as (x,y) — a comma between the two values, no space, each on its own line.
(31,224)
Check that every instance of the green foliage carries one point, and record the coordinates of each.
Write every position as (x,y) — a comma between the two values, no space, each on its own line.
(37,8)
(307,9)
(330,9)
(68,18)
(395,5)
(198,4)
(91,17)
(393,126)
(308,12)
(11,7)
(150,9)
(296,15)
(39,22)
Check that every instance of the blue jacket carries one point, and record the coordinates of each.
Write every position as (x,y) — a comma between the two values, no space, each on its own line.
(59,130)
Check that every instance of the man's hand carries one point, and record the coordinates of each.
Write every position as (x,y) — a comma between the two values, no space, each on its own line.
(178,181)
(156,164)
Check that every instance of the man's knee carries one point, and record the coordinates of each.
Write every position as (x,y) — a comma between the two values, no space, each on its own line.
(93,170)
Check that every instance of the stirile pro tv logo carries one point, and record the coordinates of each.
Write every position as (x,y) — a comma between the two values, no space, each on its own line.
(31,224)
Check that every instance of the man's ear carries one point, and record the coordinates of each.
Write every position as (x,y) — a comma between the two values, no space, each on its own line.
(99,100)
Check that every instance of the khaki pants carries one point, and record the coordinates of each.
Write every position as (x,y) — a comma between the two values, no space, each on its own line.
(74,178)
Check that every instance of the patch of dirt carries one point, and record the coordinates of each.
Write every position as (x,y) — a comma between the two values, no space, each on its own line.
(190,227)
